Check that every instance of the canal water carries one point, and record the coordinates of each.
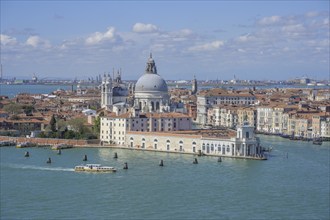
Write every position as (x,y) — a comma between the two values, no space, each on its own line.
(292,184)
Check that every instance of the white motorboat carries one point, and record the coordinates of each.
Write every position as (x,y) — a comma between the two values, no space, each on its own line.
(94,168)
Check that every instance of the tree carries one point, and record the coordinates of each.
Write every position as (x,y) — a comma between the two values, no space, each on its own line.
(77,125)
(13,108)
(52,124)
(28,110)
(97,126)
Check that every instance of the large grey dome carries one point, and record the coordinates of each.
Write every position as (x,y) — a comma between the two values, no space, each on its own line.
(151,82)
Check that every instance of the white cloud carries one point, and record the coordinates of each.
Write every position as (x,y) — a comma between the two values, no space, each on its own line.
(208,46)
(246,38)
(36,41)
(312,14)
(33,41)
(98,37)
(270,20)
(293,28)
(7,40)
(186,32)
(144,28)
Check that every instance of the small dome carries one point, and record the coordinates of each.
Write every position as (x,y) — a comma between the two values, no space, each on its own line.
(151,83)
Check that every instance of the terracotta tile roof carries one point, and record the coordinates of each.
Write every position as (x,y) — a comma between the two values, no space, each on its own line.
(216,134)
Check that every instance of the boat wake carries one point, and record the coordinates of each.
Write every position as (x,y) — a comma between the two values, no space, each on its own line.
(32,167)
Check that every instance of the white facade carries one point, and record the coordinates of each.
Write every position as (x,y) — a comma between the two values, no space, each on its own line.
(214,97)
(264,119)
(223,117)
(243,145)
(114,127)
(325,128)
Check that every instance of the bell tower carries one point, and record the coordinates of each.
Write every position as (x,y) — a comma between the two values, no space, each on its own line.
(194,86)
(106,92)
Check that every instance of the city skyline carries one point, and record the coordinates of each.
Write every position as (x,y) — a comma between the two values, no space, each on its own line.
(212,40)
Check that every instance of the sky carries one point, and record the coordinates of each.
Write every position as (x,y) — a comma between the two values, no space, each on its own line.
(257,40)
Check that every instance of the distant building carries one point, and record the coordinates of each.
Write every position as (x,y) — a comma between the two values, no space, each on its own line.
(208,98)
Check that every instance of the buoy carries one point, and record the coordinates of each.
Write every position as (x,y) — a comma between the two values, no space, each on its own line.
(85,158)
(27,154)
(199,153)
(59,151)
(219,159)
(49,160)
(195,161)
(125,166)
(161,163)
(116,156)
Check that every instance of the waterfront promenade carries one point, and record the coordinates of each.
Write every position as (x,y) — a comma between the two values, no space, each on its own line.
(52,141)
(95,144)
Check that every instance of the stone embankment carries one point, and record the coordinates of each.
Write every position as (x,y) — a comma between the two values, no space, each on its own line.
(96,143)
(53,141)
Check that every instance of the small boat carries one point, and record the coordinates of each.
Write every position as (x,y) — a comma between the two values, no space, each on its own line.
(317,142)
(25,144)
(61,146)
(7,143)
(94,168)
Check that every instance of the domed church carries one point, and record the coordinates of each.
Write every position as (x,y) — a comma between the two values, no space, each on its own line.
(151,92)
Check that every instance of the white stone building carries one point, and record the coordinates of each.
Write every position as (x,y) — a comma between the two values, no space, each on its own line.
(325,128)
(208,98)
(114,127)
(227,143)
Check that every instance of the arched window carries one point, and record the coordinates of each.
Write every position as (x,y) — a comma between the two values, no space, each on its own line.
(152,106)
(203,147)
(194,146)
(168,143)
(143,142)
(155,143)
(181,145)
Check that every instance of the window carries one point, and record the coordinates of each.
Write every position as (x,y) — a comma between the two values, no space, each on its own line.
(168,145)
(155,143)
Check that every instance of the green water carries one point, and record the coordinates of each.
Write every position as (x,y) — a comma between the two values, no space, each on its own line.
(292,184)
